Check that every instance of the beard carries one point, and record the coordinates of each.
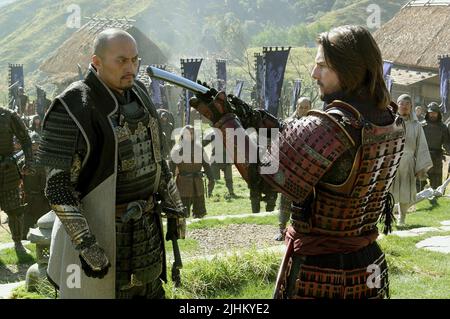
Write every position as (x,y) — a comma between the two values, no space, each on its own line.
(321,90)
(128,85)
(128,81)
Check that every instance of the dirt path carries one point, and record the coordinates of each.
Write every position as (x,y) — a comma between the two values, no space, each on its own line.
(233,237)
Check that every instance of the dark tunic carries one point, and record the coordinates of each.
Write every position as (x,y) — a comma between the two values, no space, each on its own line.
(438,138)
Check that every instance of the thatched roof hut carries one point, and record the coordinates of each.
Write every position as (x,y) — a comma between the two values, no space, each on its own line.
(417,34)
(414,39)
(62,66)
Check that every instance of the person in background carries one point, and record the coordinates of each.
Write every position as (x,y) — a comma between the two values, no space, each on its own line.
(415,162)
(438,140)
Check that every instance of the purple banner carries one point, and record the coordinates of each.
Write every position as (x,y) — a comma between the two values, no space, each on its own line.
(16,74)
(40,100)
(156,93)
(238,88)
(444,75)
(387,68)
(156,88)
(296,93)
(221,71)
(275,65)
(189,69)
(259,66)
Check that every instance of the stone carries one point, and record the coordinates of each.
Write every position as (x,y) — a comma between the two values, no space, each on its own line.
(39,236)
(46,221)
(439,244)
(11,244)
(35,274)
(415,232)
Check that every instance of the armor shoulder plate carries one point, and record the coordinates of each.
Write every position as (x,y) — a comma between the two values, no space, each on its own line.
(59,139)
(305,151)
(345,114)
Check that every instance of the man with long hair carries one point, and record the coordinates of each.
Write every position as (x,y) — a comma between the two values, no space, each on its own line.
(336,165)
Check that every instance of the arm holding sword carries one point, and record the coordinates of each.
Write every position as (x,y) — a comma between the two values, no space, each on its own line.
(226,112)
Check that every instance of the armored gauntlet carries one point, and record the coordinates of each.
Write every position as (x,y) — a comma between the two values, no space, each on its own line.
(66,205)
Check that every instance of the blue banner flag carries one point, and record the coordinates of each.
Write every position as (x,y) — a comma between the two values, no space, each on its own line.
(221,70)
(259,66)
(189,70)
(444,75)
(16,80)
(275,60)
(16,75)
(156,89)
(238,88)
(387,68)
(40,100)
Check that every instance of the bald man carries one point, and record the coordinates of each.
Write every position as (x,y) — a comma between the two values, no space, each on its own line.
(102,148)
(303,106)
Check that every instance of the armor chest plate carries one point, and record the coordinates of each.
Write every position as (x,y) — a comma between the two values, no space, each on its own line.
(353,208)
(139,153)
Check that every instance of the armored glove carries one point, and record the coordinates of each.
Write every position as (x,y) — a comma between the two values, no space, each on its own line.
(93,259)
(176,228)
(174,209)
(212,105)
(171,197)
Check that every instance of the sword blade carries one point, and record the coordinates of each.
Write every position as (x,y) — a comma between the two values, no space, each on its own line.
(176,79)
